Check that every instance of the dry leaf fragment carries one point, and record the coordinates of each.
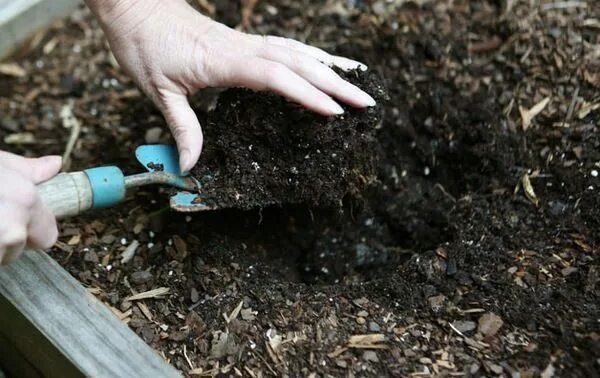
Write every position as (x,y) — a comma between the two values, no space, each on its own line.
(154,293)
(12,69)
(528,189)
(527,115)
(234,314)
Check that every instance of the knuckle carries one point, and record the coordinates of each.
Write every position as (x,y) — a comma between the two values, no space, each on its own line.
(274,71)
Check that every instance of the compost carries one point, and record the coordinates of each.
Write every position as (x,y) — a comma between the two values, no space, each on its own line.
(466,243)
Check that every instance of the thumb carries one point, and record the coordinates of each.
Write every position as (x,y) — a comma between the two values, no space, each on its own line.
(36,169)
(185,128)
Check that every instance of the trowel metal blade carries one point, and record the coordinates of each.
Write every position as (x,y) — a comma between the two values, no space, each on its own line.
(191,202)
(159,157)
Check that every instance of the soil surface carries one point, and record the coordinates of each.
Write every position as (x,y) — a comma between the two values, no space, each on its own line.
(473,253)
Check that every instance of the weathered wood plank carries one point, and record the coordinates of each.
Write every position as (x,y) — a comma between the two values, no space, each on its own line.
(20,18)
(77,325)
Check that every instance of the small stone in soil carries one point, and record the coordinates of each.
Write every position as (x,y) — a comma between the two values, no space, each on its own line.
(371,356)
(141,277)
(489,324)
(464,325)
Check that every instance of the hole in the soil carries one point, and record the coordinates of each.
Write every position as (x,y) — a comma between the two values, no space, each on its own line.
(311,246)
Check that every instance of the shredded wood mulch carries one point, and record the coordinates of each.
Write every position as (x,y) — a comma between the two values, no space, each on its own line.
(475,253)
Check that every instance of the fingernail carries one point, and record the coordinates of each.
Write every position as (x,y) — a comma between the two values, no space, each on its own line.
(368,100)
(185,157)
(53,159)
(336,108)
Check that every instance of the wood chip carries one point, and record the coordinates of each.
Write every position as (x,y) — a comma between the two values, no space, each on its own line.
(527,115)
(154,293)
(12,69)
(20,138)
(368,341)
(129,252)
(145,310)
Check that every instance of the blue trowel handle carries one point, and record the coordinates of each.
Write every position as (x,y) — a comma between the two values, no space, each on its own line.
(70,194)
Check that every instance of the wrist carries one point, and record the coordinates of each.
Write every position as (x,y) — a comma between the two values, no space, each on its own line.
(122,14)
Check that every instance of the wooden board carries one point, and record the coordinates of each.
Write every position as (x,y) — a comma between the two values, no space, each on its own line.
(54,327)
(19,19)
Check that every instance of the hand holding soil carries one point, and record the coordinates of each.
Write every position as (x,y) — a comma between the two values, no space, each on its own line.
(172,51)
(24,220)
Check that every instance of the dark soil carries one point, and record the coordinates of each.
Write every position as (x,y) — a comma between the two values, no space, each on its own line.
(449,260)
(264,151)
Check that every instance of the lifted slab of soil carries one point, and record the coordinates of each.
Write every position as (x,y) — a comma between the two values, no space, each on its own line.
(265,150)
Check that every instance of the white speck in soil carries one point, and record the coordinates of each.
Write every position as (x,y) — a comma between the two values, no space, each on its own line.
(150,245)
(594,173)
(255,166)
(188,218)
(591,187)
(123,241)
(170,273)
(151,234)
(426,171)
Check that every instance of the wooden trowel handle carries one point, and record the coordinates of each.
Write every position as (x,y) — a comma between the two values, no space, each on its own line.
(70,194)
(67,194)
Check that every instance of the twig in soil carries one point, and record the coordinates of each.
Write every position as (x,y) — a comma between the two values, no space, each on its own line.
(69,122)
(443,190)
(187,359)
(266,362)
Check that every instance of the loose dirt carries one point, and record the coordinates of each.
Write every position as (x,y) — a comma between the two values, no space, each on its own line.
(473,252)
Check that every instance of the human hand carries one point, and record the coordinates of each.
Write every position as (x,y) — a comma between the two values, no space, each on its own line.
(24,220)
(172,51)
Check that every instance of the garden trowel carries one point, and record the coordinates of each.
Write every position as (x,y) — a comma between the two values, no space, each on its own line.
(70,194)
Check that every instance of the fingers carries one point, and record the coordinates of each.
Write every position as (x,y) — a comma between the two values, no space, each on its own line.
(322,56)
(184,126)
(262,74)
(42,231)
(23,217)
(13,232)
(317,74)
(36,169)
